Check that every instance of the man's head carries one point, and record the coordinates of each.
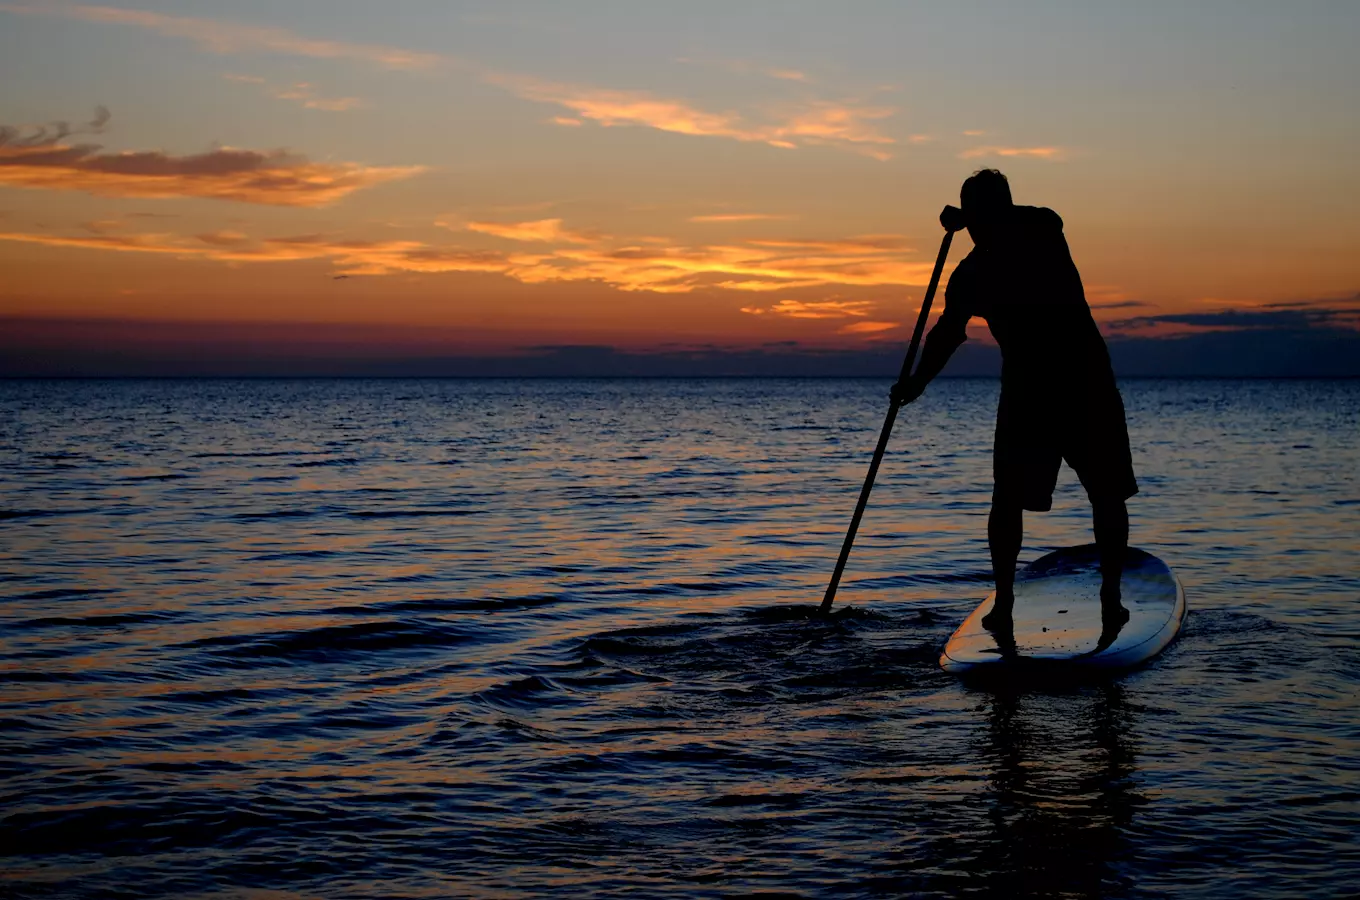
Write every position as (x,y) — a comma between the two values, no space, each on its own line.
(986,198)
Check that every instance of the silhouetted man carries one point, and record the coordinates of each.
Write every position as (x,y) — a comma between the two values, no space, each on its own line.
(1058,394)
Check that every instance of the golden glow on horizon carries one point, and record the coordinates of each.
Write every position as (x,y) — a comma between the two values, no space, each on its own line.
(757,265)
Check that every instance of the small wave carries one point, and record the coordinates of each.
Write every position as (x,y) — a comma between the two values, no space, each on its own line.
(609,676)
(62,593)
(808,613)
(107,621)
(212,697)
(275,514)
(524,693)
(325,463)
(254,454)
(318,644)
(411,513)
(49,676)
(296,554)
(978,576)
(463,604)
(782,800)
(8,514)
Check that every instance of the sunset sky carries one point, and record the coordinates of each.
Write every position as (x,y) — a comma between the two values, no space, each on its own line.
(479,179)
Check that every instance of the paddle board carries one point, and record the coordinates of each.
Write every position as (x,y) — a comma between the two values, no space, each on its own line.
(1057,619)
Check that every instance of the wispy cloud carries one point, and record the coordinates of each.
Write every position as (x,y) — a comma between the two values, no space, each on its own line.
(867,327)
(1274,316)
(819,122)
(831,123)
(544,230)
(742,67)
(350,257)
(813,309)
(228,37)
(739,217)
(51,134)
(864,244)
(1119,304)
(1052,154)
(43,160)
(303,93)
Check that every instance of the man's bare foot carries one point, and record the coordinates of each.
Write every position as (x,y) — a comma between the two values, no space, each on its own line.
(999,619)
(1113,615)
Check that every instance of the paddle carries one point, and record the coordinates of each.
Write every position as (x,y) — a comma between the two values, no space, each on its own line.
(887,423)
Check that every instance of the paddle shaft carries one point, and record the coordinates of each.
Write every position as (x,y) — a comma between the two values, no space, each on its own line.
(887,426)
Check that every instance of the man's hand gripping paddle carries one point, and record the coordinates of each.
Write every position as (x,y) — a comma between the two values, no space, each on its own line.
(952,220)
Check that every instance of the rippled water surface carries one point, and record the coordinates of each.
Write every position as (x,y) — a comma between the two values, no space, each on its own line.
(512,638)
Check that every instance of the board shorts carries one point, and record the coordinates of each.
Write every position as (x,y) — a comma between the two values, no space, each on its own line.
(1035,434)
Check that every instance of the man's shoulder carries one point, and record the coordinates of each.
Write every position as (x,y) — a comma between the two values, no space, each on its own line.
(1039,218)
(970,263)
(963,280)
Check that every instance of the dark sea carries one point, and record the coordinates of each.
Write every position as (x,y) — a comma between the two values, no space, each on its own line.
(496,638)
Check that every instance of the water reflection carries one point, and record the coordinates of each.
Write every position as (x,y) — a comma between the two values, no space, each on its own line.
(1060,791)
(492,650)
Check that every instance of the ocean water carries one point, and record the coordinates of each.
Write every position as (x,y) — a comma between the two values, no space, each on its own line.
(296,639)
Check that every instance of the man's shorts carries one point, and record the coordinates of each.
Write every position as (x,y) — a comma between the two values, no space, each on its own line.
(1034,436)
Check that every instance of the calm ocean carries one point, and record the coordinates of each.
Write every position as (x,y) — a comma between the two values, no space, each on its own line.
(372,638)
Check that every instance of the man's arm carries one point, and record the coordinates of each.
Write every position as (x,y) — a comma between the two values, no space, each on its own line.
(940,344)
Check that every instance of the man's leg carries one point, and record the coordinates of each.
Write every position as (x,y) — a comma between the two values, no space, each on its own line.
(1005,529)
(1111,521)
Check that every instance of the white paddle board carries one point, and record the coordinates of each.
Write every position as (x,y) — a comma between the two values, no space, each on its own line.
(1057,619)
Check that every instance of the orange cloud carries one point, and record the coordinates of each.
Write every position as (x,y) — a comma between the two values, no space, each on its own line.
(546,230)
(814,309)
(350,257)
(1052,154)
(823,122)
(869,243)
(660,268)
(738,217)
(867,327)
(740,67)
(683,269)
(227,37)
(832,123)
(303,93)
(247,176)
